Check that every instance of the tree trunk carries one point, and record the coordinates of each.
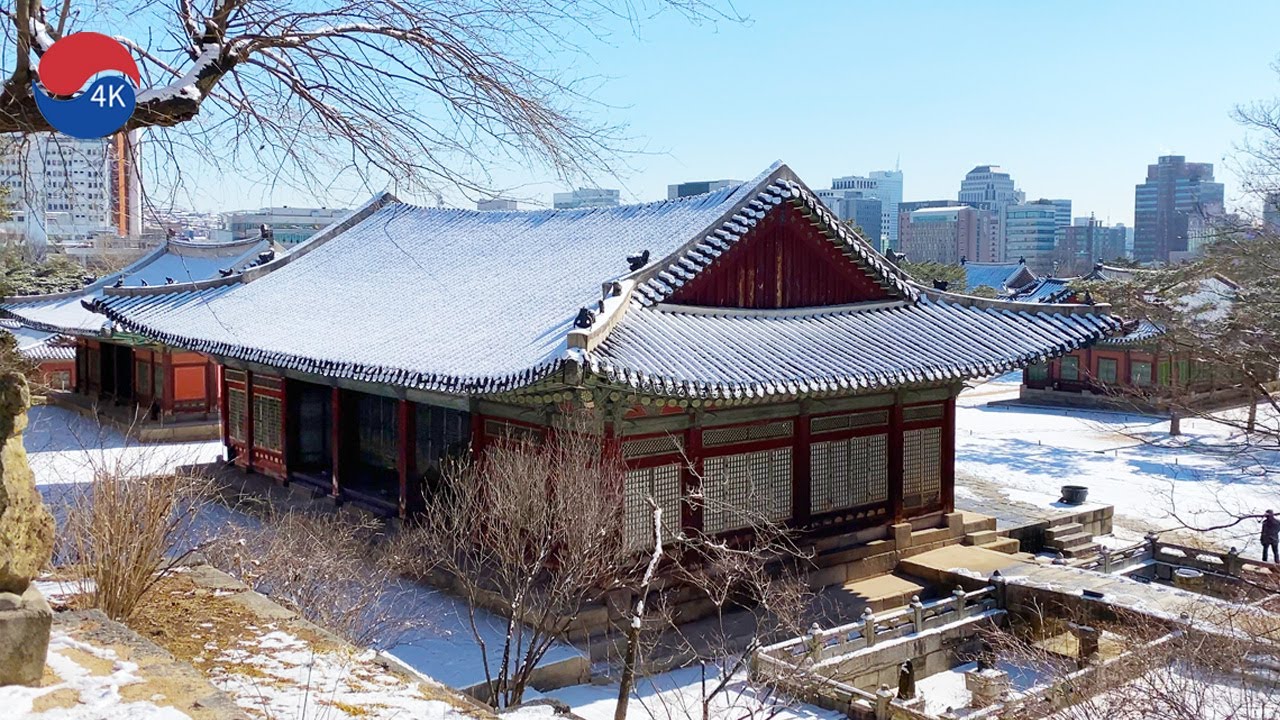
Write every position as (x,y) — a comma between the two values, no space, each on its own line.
(1253,417)
(628,669)
(1175,422)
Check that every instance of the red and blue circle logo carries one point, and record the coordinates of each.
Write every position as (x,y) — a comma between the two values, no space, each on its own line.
(106,104)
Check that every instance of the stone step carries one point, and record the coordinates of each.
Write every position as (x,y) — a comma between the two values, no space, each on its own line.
(1080,538)
(1004,545)
(1088,548)
(973,522)
(981,537)
(1058,531)
(1062,520)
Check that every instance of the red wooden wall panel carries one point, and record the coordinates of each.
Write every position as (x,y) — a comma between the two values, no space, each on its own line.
(783,262)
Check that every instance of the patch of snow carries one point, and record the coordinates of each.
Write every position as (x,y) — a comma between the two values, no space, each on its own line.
(99,695)
(59,591)
(678,694)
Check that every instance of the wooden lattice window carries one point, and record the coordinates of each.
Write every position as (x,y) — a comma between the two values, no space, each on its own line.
(921,467)
(849,473)
(142,373)
(742,489)
(235,414)
(1069,368)
(377,430)
(1038,372)
(848,421)
(922,412)
(267,423)
(651,446)
(1107,370)
(1140,373)
(511,432)
(746,433)
(440,432)
(661,483)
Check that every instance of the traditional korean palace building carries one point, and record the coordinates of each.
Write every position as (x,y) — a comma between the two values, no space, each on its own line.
(743,341)
(1138,367)
(52,355)
(121,374)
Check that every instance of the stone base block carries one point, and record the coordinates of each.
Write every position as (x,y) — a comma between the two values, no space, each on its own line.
(24,637)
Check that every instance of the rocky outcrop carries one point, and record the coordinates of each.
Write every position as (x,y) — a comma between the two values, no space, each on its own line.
(26,527)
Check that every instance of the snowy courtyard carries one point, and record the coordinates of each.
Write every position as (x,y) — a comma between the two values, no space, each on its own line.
(1026,454)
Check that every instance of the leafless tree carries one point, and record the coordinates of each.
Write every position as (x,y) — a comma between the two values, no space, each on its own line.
(329,565)
(429,93)
(530,531)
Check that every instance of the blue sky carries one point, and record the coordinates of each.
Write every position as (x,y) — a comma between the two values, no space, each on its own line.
(1073,98)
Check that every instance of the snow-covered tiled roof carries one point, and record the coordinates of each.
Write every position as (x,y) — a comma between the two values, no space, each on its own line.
(750,353)
(179,260)
(38,345)
(996,276)
(1135,332)
(470,302)
(1047,290)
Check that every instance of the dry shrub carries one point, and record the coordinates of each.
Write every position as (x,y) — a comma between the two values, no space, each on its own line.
(329,566)
(125,534)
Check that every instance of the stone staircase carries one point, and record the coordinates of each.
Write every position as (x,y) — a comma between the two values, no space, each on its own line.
(981,532)
(1069,538)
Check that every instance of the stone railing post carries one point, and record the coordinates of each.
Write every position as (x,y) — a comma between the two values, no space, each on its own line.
(1153,541)
(917,613)
(1105,552)
(884,702)
(869,627)
(997,582)
(1232,558)
(815,641)
(959,597)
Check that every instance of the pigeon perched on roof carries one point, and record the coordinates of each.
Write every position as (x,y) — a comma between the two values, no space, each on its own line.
(638,260)
(227,272)
(119,282)
(168,280)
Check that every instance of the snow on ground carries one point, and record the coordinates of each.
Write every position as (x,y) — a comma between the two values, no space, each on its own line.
(98,695)
(677,695)
(66,447)
(275,674)
(946,690)
(1128,461)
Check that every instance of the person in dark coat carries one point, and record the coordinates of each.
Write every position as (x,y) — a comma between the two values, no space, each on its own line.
(1270,536)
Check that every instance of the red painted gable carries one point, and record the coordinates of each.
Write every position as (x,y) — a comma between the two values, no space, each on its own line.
(783,262)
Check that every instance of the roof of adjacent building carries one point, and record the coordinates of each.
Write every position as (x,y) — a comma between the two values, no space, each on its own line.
(1136,331)
(1004,278)
(37,345)
(181,261)
(469,302)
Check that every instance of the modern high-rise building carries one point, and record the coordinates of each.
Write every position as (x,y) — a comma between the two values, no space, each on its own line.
(586,198)
(64,189)
(949,234)
(989,187)
(1080,245)
(885,186)
(859,208)
(1271,212)
(1029,234)
(698,187)
(1064,211)
(1174,190)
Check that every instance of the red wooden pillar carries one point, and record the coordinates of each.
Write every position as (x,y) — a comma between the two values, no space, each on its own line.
(248,414)
(895,461)
(801,472)
(690,478)
(335,439)
(166,402)
(222,408)
(407,458)
(477,435)
(949,455)
(284,429)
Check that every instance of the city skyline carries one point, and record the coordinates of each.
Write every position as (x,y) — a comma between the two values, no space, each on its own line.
(1044,126)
